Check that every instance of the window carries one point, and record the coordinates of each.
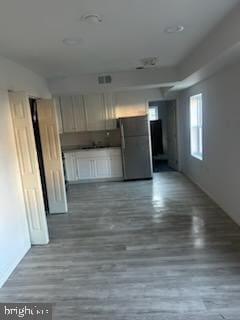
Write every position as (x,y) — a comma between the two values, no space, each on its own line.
(153,113)
(196,126)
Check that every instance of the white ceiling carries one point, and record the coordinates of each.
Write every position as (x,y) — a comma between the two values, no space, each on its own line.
(31,32)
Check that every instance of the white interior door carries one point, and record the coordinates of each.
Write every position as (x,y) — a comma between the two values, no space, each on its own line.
(172,135)
(29,169)
(52,156)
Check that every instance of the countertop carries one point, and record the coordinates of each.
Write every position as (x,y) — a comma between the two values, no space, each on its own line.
(87,148)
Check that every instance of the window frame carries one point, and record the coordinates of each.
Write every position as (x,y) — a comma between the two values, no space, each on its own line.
(197,129)
(155,108)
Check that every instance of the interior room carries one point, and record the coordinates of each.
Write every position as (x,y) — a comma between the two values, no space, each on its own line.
(119,179)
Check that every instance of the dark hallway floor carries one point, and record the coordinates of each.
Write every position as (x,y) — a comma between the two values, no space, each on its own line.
(161,166)
(148,250)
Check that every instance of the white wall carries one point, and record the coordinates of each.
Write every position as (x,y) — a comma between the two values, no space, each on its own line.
(221,41)
(14,237)
(15,77)
(219,173)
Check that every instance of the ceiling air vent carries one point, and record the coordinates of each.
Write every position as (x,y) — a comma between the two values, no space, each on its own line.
(108,79)
(104,79)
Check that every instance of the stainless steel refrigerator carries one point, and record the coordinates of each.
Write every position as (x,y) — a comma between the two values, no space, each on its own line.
(136,148)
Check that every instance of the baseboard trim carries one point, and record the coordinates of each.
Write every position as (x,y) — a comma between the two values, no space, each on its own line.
(211,197)
(9,270)
(200,186)
(96,180)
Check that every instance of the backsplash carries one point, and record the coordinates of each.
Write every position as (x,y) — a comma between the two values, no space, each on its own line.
(87,138)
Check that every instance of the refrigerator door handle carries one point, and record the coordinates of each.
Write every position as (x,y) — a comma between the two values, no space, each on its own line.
(122,136)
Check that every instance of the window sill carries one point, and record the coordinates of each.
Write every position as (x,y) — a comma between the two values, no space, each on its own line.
(197,156)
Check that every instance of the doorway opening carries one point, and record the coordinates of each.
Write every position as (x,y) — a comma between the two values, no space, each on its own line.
(163,126)
(36,131)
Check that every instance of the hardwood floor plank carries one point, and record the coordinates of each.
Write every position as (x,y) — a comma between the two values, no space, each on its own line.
(143,250)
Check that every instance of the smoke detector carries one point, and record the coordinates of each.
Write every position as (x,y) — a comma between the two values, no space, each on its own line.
(74,42)
(92,17)
(148,62)
(174,29)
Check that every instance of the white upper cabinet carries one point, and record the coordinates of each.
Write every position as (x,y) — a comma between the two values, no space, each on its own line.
(73,113)
(109,102)
(79,113)
(95,112)
(67,114)
(59,114)
(89,112)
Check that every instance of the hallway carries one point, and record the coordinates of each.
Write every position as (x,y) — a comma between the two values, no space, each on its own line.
(145,250)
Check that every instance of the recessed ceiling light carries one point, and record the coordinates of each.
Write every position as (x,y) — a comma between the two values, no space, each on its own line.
(72,41)
(92,17)
(174,29)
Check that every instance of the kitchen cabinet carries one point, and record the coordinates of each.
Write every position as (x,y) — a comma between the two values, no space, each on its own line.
(59,114)
(115,166)
(95,112)
(92,165)
(91,112)
(102,168)
(70,166)
(73,113)
(84,168)
(67,114)
(79,113)
(110,110)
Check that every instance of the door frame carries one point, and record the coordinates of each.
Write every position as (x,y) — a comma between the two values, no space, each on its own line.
(178,165)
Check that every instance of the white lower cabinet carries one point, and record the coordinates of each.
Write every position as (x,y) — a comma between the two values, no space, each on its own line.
(70,166)
(87,165)
(102,168)
(84,169)
(116,166)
